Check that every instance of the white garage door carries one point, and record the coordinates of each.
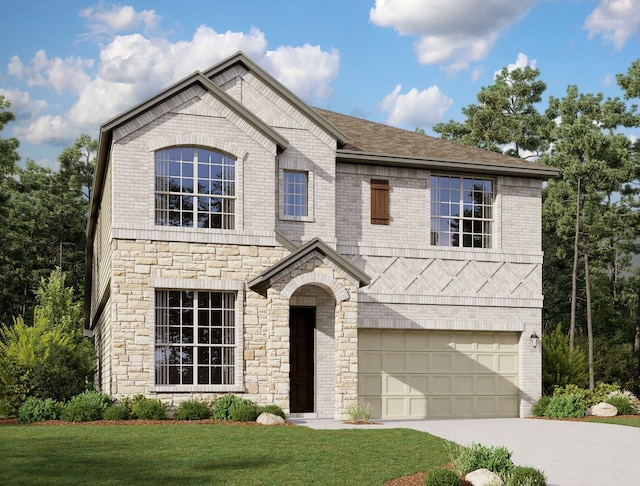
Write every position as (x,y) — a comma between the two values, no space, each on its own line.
(438,374)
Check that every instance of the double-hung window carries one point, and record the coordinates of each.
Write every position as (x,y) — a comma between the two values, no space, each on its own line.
(295,193)
(195,338)
(194,187)
(461,211)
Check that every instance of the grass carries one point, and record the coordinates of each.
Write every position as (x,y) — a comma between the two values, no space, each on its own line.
(626,420)
(212,454)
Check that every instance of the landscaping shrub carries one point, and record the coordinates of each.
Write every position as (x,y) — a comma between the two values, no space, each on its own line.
(192,410)
(623,404)
(591,397)
(244,411)
(495,459)
(39,410)
(525,476)
(144,408)
(566,406)
(540,407)
(88,406)
(222,406)
(442,477)
(117,412)
(274,409)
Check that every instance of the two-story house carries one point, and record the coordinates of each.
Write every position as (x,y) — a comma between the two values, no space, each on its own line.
(241,241)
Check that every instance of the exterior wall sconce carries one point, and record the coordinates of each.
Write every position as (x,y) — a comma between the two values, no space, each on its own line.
(534,339)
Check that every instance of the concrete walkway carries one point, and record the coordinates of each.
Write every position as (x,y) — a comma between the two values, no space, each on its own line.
(569,453)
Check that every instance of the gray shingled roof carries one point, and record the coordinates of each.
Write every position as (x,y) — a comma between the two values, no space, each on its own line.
(370,142)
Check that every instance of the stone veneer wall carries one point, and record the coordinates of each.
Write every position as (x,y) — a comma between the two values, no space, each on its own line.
(140,266)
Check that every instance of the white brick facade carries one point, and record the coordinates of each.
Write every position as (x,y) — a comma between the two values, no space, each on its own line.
(412,285)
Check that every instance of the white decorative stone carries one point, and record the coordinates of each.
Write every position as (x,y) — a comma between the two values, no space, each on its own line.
(484,477)
(266,418)
(603,409)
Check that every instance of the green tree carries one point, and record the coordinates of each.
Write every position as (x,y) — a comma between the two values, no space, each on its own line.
(505,115)
(560,364)
(51,358)
(596,160)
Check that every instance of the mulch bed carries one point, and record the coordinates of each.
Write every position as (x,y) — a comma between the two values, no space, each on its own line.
(139,422)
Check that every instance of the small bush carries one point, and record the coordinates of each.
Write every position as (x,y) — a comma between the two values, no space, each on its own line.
(144,408)
(623,404)
(274,409)
(540,407)
(117,412)
(495,459)
(442,477)
(222,406)
(88,406)
(39,410)
(566,406)
(192,410)
(244,411)
(525,476)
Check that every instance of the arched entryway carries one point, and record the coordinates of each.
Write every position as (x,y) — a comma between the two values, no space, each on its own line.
(312,325)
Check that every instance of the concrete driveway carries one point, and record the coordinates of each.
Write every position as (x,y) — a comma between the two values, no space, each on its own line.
(569,453)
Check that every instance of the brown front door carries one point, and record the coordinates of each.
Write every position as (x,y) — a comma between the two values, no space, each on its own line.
(302,322)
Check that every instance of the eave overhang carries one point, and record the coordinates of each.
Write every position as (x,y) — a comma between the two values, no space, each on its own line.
(388,160)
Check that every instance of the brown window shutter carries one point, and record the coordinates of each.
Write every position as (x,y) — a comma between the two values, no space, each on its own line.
(379,201)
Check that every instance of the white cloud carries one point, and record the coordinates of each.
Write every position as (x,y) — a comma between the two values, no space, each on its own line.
(60,74)
(456,33)
(306,70)
(522,61)
(415,109)
(22,106)
(615,20)
(119,18)
(134,66)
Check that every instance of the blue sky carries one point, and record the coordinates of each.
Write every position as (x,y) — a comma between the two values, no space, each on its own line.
(68,66)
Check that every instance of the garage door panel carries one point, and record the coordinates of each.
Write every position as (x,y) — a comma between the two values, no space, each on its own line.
(507,363)
(369,385)
(461,363)
(394,362)
(463,385)
(418,362)
(395,385)
(370,361)
(440,385)
(440,362)
(420,374)
(486,362)
(419,384)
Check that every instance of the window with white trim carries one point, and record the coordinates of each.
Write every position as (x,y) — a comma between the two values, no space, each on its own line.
(195,338)
(295,193)
(461,211)
(194,187)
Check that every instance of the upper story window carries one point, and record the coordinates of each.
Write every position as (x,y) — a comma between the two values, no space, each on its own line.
(461,211)
(295,193)
(195,187)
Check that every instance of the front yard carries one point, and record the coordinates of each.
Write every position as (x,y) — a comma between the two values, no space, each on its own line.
(196,453)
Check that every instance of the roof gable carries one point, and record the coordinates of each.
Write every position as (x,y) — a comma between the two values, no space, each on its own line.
(263,281)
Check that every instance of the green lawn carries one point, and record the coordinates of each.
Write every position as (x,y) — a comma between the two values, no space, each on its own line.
(212,454)
(628,421)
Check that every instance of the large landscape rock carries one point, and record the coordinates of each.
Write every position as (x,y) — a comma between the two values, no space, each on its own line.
(266,418)
(483,477)
(603,409)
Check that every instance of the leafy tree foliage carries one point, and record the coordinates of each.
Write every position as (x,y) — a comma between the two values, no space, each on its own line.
(43,226)
(51,358)
(505,115)
(561,365)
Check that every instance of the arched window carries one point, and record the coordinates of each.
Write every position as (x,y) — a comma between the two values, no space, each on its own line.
(195,187)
